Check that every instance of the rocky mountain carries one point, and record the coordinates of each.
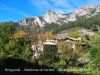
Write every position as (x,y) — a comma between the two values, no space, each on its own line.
(58,18)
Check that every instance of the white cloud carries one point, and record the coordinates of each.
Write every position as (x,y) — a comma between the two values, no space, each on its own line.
(41,4)
(4,7)
(61,3)
(45,5)
(63,6)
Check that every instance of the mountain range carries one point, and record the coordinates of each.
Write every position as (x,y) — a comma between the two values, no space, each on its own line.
(58,18)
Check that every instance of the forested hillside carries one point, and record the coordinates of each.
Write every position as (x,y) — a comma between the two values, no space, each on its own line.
(88,23)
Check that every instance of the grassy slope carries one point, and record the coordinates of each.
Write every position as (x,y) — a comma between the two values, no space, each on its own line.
(82,32)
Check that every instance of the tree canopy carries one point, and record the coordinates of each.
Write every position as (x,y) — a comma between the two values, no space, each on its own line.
(14,43)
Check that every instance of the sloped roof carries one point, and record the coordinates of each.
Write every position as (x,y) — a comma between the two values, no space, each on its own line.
(49,43)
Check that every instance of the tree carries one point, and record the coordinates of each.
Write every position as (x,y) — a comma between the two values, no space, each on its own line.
(94,28)
(13,43)
(44,36)
(95,54)
(68,53)
(88,26)
(94,51)
(6,30)
(15,49)
(18,34)
(75,33)
(49,55)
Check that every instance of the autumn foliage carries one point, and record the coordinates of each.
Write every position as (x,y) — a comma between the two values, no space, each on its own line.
(19,34)
(75,33)
(44,36)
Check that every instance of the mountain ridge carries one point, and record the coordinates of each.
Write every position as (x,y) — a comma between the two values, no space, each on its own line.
(58,18)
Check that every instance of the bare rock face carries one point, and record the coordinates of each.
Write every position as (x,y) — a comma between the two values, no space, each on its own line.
(33,21)
(53,16)
(56,17)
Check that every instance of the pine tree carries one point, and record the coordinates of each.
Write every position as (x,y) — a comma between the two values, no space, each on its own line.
(94,28)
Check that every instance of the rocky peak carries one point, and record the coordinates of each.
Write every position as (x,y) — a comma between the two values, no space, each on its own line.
(32,21)
(26,21)
(52,16)
(39,21)
(89,6)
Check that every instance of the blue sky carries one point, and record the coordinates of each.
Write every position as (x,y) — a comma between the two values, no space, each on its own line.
(15,10)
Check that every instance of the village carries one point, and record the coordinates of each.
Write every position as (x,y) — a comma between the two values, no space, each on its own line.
(37,48)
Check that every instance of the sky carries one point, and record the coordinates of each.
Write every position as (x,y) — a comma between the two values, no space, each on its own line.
(15,10)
